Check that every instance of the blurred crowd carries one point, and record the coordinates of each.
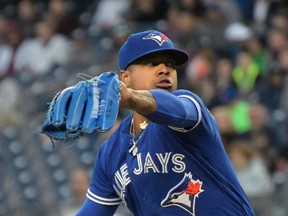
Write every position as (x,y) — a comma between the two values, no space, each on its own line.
(238,65)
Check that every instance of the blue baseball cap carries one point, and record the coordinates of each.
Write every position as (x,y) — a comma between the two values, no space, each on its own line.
(143,43)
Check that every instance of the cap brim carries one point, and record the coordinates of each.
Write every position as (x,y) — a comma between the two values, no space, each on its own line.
(179,56)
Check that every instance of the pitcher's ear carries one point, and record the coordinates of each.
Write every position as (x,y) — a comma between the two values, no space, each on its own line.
(125,77)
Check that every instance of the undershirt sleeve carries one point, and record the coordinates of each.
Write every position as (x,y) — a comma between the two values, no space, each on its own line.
(177,109)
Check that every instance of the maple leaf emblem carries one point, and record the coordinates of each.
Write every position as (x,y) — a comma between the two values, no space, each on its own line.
(163,37)
(194,188)
(184,194)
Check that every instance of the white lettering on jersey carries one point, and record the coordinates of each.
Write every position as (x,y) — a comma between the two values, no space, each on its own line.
(150,165)
(140,169)
(180,166)
(122,180)
(164,161)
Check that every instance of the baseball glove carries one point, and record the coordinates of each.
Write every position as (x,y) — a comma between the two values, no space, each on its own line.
(90,105)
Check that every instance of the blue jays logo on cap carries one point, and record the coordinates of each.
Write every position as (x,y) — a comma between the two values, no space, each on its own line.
(143,43)
(159,38)
(184,194)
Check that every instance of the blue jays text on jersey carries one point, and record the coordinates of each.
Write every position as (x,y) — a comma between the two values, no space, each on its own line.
(180,169)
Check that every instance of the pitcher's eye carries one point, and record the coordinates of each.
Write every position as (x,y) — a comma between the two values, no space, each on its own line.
(151,63)
(170,64)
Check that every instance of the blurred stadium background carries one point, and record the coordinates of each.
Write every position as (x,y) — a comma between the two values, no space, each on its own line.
(238,65)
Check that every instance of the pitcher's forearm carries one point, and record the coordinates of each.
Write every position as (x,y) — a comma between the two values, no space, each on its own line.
(141,101)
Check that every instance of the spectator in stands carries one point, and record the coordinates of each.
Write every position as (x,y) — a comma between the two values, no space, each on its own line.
(61,16)
(279,21)
(147,12)
(214,26)
(260,55)
(27,16)
(236,35)
(245,73)
(222,78)
(108,14)
(8,47)
(271,89)
(196,7)
(238,109)
(253,176)
(82,55)
(47,51)
(271,93)
(276,42)
(197,71)
(250,169)
(184,27)
(226,128)
(261,135)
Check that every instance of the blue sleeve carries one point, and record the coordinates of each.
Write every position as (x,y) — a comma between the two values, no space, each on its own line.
(177,109)
(101,198)
(90,208)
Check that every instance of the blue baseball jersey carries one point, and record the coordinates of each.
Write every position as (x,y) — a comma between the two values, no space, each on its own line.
(180,166)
